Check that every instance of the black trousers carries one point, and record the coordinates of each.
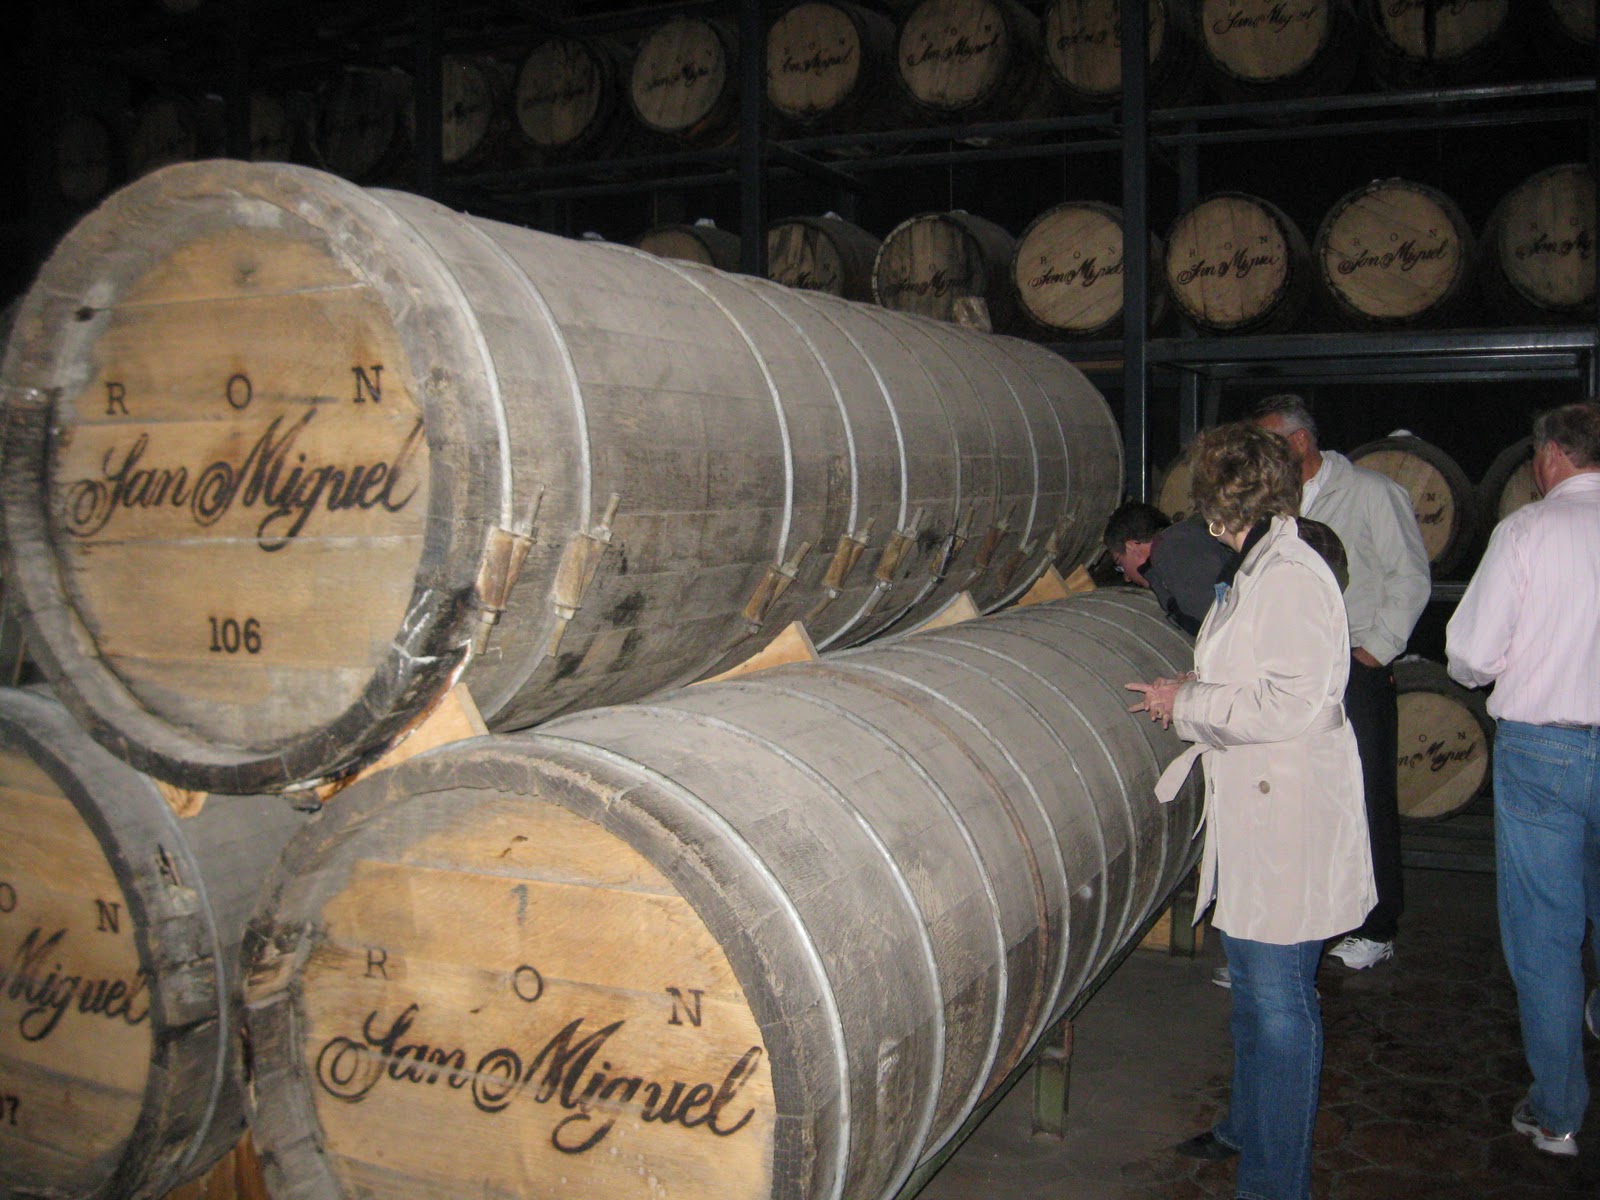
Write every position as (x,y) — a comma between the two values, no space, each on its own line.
(1370,703)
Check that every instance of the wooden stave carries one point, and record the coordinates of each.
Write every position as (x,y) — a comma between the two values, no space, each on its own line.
(631,770)
(1398,66)
(601,133)
(1441,309)
(1504,293)
(1070,430)
(792,241)
(718,122)
(1020,88)
(989,248)
(1113,324)
(188,930)
(1289,301)
(1422,675)
(1463,532)
(1330,71)
(1172,73)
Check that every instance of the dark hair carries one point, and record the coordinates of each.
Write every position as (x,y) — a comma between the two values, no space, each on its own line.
(1573,427)
(1294,410)
(1242,474)
(1134,521)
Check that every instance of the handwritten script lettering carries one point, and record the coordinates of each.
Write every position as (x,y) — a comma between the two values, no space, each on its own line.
(274,478)
(1277,18)
(36,981)
(1240,265)
(563,1070)
(1407,255)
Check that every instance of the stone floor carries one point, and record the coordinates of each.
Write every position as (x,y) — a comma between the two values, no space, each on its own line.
(1422,1068)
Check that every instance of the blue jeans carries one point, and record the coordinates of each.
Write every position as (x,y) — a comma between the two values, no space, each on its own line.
(1547,852)
(1277,1066)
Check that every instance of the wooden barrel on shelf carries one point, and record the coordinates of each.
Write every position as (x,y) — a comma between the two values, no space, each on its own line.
(934,263)
(120,926)
(1068,271)
(319,452)
(781,934)
(1444,502)
(1394,253)
(700,242)
(272,131)
(1236,263)
(567,96)
(475,104)
(685,80)
(1537,253)
(830,67)
(1564,35)
(1445,739)
(1173,492)
(1508,484)
(822,254)
(973,60)
(165,130)
(1460,42)
(84,158)
(1083,50)
(1267,50)
(364,118)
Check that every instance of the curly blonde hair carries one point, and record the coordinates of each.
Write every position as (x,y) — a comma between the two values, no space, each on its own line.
(1243,474)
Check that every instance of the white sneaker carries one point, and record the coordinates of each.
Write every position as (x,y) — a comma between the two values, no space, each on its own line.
(1564,1145)
(1222,977)
(1359,953)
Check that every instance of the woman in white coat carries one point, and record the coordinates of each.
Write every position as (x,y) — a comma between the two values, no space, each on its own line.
(1286,853)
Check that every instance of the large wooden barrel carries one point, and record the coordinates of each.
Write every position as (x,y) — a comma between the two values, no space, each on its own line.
(568,96)
(1068,269)
(120,927)
(1444,502)
(475,102)
(364,119)
(774,937)
(822,254)
(1536,256)
(685,80)
(1083,50)
(286,457)
(1394,253)
(1508,483)
(1268,50)
(830,67)
(1236,263)
(934,263)
(1446,735)
(1459,42)
(973,60)
(702,242)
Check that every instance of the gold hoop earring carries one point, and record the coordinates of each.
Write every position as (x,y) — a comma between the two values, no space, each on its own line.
(1216,529)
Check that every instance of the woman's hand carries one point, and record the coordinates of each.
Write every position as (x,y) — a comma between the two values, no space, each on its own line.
(1159,697)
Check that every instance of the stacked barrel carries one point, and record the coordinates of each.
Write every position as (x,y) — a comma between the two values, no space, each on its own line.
(292,470)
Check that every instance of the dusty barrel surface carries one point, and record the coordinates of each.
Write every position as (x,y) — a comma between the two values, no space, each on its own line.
(1445,738)
(1236,263)
(119,988)
(773,937)
(286,458)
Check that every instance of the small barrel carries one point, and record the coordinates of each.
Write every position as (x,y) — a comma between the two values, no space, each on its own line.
(1394,253)
(120,926)
(684,83)
(934,263)
(84,157)
(1443,500)
(768,938)
(1446,735)
(1083,50)
(316,453)
(973,60)
(1564,35)
(568,96)
(1068,271)
(1236,263)
(1173,491)
(1537,253)
(822,254)
(830,67)
(1508,483)
(701,242)
(1268,50)
(1459,42)
(364,118)
(475,109)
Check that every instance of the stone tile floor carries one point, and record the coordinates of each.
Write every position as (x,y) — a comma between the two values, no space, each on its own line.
(1423,1066)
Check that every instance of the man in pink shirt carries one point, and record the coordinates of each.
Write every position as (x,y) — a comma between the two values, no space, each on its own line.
(1529,623)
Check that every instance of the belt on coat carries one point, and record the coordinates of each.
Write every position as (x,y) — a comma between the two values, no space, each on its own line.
(1171,781)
